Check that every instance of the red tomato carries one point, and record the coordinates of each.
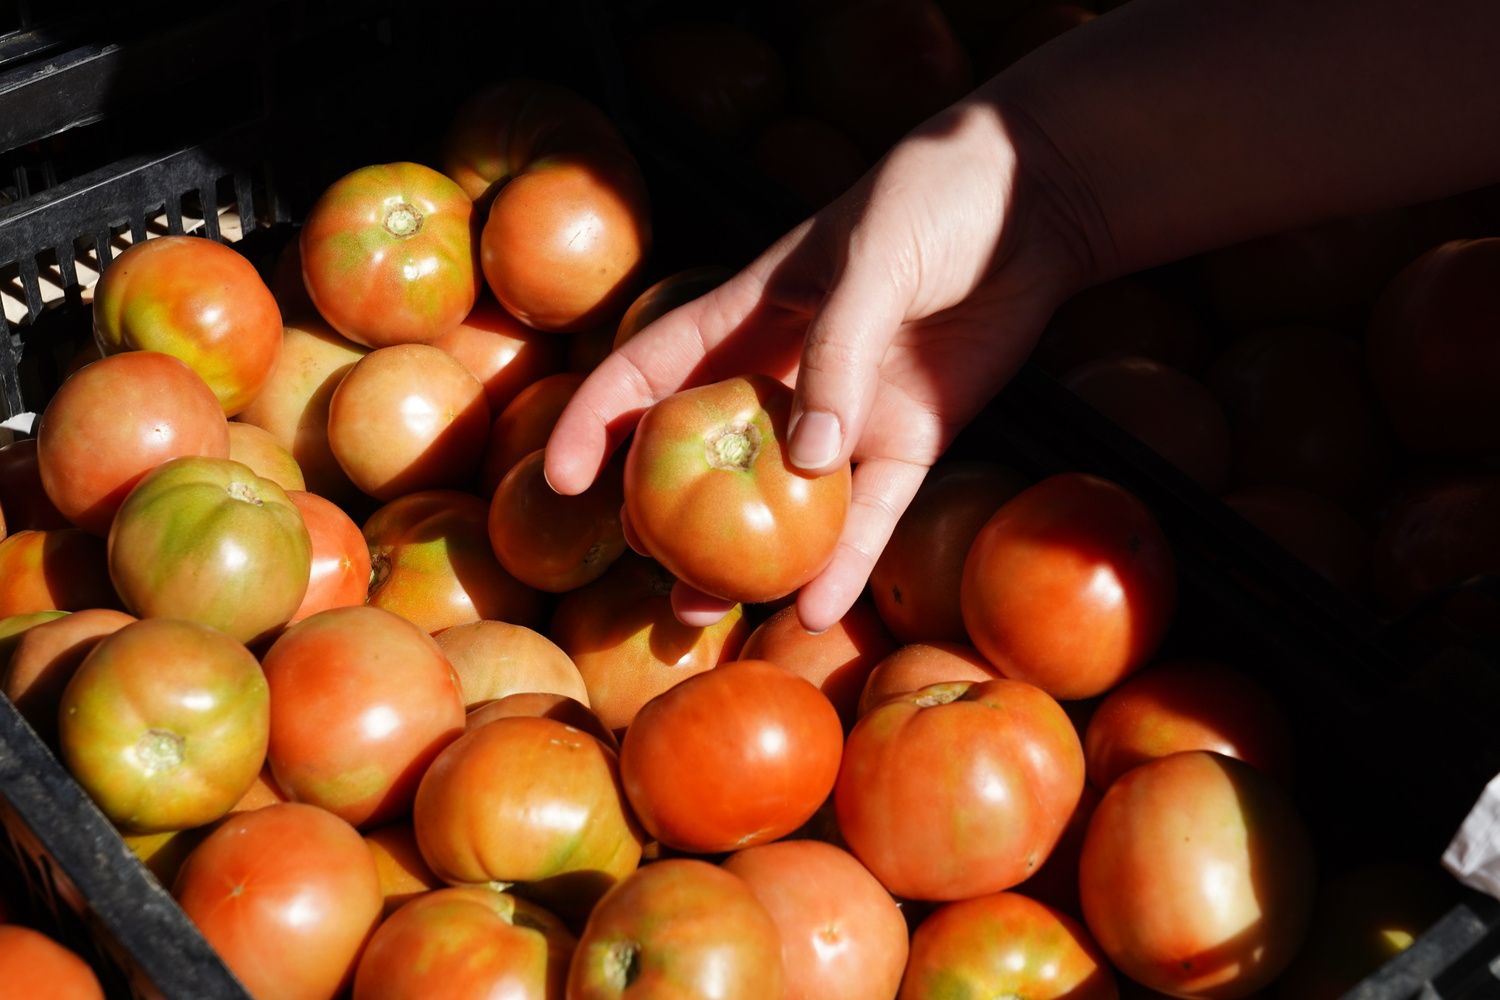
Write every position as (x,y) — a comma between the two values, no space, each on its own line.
(545,705)
(59,570)
(116,420)
(916,580)
(500,351)
(837,660)
(13,627)
(432,564)
(1436,535)
(407,418)
(33,965)
(680,928)
(920,665)
(257,449)
(710,495)
(361,703)
(1197,876)
(287,895)
(388,255)
(554,542)
(1056,882)
(667,294)
(1005,945)
(466,942)
(26,504)
(765,749)
(207,540)
(403,874)
(810,158)
(1118,319)
(496,659)
(842,935)
(720,78)
(45,657)
(524,426)
(340,562)
(1310,527)
(1069,586)
(959,789)
(199,301)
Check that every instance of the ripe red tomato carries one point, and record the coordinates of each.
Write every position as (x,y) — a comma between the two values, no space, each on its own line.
(710,495)
(34,965)
(407,418)
(1310,527)
(524,426)
(1005,945)
(765,748)
(207,540)
(720,78)
(403,874)
(959,789)
(495,659)
(199,301)
(546,705)
(1056,882)
(116,420)
(554,542)
(678,928)
(842,935)
(59,570)
(340,561)
(916,580)
(920,665)
(809,158)
(45,657)
(837,660)
(500,351)
(432,564)
(361,703)
(287,895)
(256,449)
(1118,319)
(388,255)
(667,294)
(1069,586)
(26,504)
(1197,876)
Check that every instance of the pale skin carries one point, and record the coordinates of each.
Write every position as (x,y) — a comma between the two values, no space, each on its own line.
(1160,130)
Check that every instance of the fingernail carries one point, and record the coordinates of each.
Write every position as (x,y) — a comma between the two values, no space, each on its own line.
(816,440)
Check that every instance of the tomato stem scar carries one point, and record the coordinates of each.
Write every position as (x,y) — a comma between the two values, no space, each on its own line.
(733,447)
(403,220)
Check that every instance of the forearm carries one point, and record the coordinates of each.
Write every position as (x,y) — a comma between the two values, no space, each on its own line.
(1188,124)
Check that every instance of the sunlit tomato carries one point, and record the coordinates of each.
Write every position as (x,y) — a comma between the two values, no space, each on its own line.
(1030,32)
(263,454)
(163,853)
(466,942)
(711,496)
(293,406)
(837,660)
(45,657)
(13,627)
(720,78)
(287,895)
(26,504)
(1005,945)
(627,643)
(388,255)
(916,579)
(59,570)
(919,665)
(666,295)
(1310,527)
(207,540)
(842,935)
(407,418)
(959,789)
(679,928)
(495,659)
(500,351)
(528,800)
(1120,318)
(34,965)
(164,724)
(1056,882)
(546,705)
(339,576)
(403,874)
(361,703)
(1197,876)
(1069,586)
(810,158)
(550,541)
(1435,535)
(199,301)
(524,425)
(432,564)
(116,420)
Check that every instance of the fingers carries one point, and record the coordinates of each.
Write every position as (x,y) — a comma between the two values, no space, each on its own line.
(696,609)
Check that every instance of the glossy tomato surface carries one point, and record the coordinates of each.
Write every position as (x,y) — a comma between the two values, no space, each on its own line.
(554,542)
(403,874)
(495,659)
(546,705)
(58,570)
(524,425)
(257,449)
(44,658)
(921,664)
(34,965)
(837,660)
(339,574)
(667,294)
(503,353)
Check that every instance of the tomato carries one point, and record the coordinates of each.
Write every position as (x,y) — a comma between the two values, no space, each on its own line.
(34,965)
(1069,586)
(26,504)
(13,627)
(163,853)
(1171,413)
(287,895)
(403,874)
(667,294)
(680,928)
(361,703)
(388,255)
(45,657)
(1121,318)
(837,660)
(720,78)
(500,351)
(1056,882)
(339,576)
(207,540)
(1030,32)
(627,643)
(1197,876)
(263,454)
(1435,535)
(959,789)
(466,942)
(809,158)
(407,418)
(293,406)
(199,301)
(116,420)
(749,726)
(920,665)
(1312,528)
(543,704)
(59,570)
(915,581)
(1005,945)
(711,496)
(432,564)
(528,800)
(842,935)
(524,426)
(550,541)
(495,659)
